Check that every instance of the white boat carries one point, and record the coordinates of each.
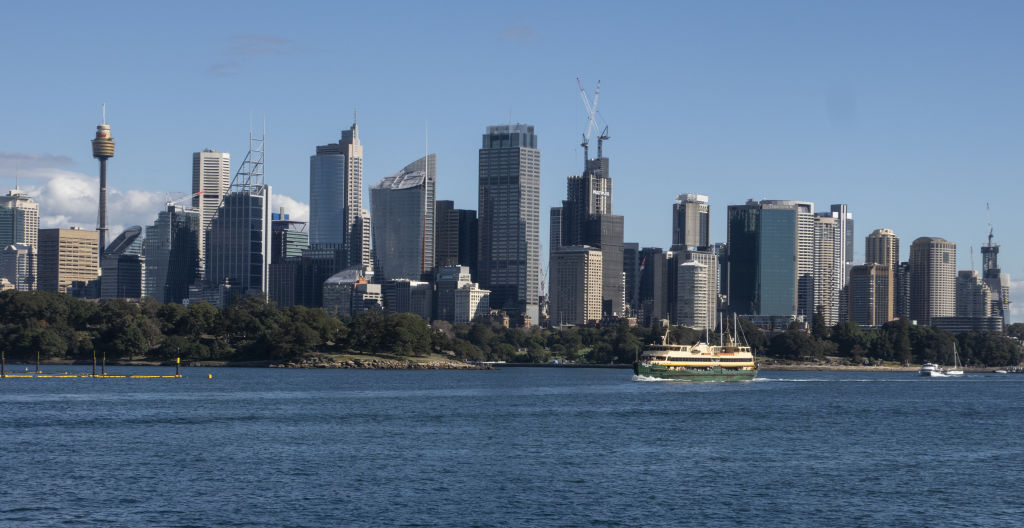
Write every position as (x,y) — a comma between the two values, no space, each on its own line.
(958,369)
(1000,371)
(932,370)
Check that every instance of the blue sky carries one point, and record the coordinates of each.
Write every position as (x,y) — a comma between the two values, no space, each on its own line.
(910,112)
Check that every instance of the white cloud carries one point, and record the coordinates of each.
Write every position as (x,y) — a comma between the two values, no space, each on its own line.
(295,209)
(69,198)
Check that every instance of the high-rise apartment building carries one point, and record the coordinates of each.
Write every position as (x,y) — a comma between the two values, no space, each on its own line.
(681,297)
(576,282)
(691,222)
(871,294)
(882,246)
(902,291)
(932,279)
(172,254)
(692,296)
(211,176)
(509,218)
(336,197)
(67,256)
(402,208)
(829,266)
(631,276)
(844,241)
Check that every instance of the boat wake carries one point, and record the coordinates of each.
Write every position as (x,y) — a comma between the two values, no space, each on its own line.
(648,378)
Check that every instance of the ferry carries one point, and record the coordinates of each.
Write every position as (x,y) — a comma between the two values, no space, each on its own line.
(700,362)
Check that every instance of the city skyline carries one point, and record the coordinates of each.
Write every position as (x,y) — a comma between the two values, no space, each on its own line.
(940,136)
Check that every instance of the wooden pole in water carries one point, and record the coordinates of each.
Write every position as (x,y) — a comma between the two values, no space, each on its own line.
(177,367)
(37,362)
(103,367)
(94,362)
(3,364)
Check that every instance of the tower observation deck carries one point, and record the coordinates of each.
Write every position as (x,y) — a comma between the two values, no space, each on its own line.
(103,149)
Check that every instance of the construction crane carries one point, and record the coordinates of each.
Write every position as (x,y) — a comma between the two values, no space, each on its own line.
(988,219)
(591,109)
(179,200)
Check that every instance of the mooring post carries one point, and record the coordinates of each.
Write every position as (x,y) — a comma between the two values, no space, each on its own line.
(94,362)
(177,367)
(3,364)
(103,367)
(37,363)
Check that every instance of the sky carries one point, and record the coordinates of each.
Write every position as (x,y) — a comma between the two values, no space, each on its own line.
(910,112)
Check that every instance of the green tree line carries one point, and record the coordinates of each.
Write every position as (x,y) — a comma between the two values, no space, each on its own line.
(58,326)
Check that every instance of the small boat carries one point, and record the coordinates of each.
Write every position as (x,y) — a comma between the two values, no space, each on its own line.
(958,369)
(1000,371)
(932,370)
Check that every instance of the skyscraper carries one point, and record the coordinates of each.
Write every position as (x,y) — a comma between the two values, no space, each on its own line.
(336,196)
(19,219)
(456,236)
(871,294)
(973,296)
(771,258)
(829,265)
(932,279)
(402,206)
(882,246)
(653,287)
(123,267)
(692,296)
(18,265)
(172,254)
(631,276)
(691,223)
(586,219)
(67,256)
(576,284)
(844,241)
(509,221)
(211,176)
(238,243)
(997,281)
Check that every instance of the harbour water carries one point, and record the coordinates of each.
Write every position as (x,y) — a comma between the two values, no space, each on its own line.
(511,447)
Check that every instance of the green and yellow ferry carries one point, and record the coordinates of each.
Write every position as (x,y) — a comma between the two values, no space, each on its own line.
(700,362)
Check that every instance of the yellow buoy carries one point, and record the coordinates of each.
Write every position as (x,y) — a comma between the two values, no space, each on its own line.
(210,375)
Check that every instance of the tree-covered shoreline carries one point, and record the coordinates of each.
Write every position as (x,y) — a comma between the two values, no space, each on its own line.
(61,327)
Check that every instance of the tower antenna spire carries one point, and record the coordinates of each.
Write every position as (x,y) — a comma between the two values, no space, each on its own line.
(104,111)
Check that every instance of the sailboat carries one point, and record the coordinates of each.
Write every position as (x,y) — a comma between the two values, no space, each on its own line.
(958,369)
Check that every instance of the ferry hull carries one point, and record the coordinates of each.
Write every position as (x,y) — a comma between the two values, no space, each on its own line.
(714,374)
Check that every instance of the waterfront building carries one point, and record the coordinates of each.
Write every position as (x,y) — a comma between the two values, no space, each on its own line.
(172,254)
(18,266)
(19,219)
(67,256)
(871,294)
(509,218)
(576,285)
(123,267)
(691,222)
(211,176)
(336,198)
(402,208)
(932,279)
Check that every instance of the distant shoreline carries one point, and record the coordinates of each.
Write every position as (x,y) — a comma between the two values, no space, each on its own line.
(391,364)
